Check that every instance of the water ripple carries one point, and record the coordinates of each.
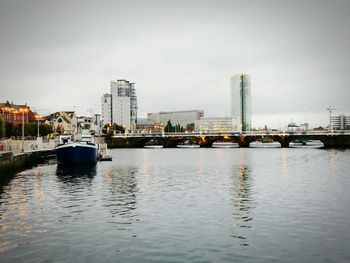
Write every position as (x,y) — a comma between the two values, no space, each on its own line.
(173,205)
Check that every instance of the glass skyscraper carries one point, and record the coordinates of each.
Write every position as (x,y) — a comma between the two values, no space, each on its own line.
(241,101)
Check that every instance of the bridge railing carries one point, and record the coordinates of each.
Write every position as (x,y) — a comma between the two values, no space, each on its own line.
(237,134)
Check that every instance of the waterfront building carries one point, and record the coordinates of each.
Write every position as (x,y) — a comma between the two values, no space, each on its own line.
(141,120)
(150,128)
(341,122)
(106,103)
(84,122)
(63,122)
(241,101)
(222,124)
(16,113)
(97,124)
(185,119)
(292,126)
(120,107)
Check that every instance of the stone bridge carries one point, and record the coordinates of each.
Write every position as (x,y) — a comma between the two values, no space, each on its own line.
(168,140)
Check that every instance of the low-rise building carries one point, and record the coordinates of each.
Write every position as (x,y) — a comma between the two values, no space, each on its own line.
(16,113)
(216,124)
(292,126)
(150,128)
(183,118)
(63,122)
(341,122)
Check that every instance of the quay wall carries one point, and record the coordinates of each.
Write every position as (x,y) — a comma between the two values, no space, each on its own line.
(10,162)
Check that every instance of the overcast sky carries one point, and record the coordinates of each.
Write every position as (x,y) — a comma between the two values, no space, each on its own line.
(57,55)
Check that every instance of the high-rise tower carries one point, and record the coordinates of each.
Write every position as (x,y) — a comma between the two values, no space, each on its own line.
(120,106)
(106,102)
(124,103)
(241,101)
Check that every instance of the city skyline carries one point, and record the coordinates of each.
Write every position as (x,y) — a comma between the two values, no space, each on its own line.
(62,55)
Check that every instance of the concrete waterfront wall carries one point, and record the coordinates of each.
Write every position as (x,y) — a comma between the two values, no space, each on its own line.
(15,146)
(11,163)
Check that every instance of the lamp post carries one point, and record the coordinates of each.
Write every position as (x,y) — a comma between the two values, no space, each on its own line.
(38,118)
(14,115)
(23,110)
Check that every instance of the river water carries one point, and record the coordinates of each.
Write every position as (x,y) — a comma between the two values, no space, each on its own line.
(182,205)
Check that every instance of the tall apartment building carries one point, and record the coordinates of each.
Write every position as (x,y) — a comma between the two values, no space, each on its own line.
(106,103)
(120,106)
(241,101)
(184,118)
(340,122)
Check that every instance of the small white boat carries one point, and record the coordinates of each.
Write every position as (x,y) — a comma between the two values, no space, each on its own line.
(191,146)
(259,144)
(307,144)
(103,153)
(153,146)
(188,144)
(225,145)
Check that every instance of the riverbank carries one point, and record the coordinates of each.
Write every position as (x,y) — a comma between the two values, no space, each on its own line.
(10,162)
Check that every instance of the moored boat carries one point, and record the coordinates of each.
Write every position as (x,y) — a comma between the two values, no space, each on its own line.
(312,144)
(103,153)
(79,152)
(153,146)
(225,145)
(188,146)
(259,144)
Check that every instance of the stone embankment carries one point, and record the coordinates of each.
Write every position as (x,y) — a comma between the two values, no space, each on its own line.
(18,146)
(16,155)
(10,162)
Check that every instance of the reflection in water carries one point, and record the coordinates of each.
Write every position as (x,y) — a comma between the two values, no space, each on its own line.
(242,202)
(331,157)
(284,162)
(156,208)
(71,174)
(17,199)
(75,195)
(121,201)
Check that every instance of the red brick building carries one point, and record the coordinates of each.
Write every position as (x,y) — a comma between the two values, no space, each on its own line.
(14,113)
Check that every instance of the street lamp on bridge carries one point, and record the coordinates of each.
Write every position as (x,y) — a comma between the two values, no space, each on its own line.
(38,117)
(23,110)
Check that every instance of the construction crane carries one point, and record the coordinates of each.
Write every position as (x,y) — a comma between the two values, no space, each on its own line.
(92,110)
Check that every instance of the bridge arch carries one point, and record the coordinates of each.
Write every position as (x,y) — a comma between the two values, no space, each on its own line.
(210,140)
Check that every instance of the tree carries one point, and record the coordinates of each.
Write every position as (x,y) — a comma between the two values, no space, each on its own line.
(30,129)
(117,127)
(169,127)
(45,129)
(109,136)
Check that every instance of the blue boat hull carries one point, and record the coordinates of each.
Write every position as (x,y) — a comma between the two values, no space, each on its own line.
(75,154)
